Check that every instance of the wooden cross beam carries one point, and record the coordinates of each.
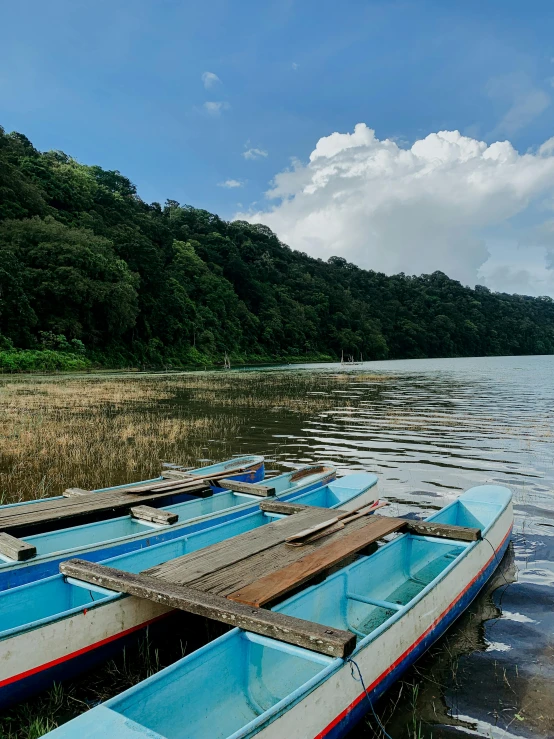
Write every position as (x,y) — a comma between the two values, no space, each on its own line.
(323,639)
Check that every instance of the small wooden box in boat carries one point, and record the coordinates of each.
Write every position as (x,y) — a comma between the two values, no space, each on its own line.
(155,515)
(16,549)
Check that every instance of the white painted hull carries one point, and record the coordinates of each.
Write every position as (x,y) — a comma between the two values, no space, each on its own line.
(22,656)
(334,706)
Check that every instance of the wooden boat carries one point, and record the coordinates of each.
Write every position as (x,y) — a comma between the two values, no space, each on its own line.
(104,539)
(54,628)
(396,602)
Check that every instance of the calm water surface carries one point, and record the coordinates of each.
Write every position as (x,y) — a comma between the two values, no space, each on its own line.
(431,429)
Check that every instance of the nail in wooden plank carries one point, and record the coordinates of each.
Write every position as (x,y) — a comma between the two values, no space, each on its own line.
(155,515)
(281,581)
(251,488)
(323,639)
(15,548)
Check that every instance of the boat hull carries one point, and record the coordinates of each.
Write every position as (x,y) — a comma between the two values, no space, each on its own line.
(75,644)
(334,707)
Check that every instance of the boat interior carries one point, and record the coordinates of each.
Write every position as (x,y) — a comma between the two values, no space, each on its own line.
(364,596)
(254,675)
(77,537)
(53,596)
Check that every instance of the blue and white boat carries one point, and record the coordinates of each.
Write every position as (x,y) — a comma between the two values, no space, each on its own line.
(249,468)
(397,601)
(54,628)
(104,539)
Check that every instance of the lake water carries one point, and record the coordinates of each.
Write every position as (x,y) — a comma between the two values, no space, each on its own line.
(430,429)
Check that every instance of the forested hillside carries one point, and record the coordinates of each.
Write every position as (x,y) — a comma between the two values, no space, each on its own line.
(91,273)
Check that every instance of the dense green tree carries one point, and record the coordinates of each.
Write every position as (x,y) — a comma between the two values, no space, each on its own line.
(84,259)
(73,282)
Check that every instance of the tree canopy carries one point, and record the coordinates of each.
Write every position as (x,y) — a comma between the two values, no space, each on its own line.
(84,259)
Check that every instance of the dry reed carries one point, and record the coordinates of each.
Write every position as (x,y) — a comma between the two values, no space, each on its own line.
(96,431)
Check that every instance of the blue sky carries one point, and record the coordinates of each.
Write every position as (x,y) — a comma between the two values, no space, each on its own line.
(121,84)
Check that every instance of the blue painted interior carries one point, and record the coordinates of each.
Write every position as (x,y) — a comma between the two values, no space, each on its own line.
(366,596)
(103,539)
(255,676)
(255,683)
(51,598)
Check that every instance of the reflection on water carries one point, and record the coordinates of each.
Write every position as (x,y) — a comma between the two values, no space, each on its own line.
(429,429)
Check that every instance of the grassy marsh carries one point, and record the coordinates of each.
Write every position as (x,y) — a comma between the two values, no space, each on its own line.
(95,431)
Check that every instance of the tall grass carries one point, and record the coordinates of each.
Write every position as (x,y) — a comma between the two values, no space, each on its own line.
(100,430)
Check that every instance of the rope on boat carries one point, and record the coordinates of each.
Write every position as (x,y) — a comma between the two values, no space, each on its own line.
(361,680)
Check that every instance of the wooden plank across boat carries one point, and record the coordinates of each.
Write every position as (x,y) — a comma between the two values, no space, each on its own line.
(254,570)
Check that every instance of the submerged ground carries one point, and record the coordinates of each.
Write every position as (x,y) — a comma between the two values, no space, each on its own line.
(428,428)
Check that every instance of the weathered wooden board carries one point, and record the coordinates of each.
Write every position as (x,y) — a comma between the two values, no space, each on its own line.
(16,548)
(276,506)
(296,631)
(226,580)
(155,515)
(347,542)
(75,492)
(59,512)
(247,487)
(443,530)
(192,566)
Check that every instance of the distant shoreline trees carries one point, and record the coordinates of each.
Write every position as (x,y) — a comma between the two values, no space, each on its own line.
(89,269)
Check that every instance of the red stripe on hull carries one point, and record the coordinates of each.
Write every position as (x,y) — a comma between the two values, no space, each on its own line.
(403,656)
(79,652)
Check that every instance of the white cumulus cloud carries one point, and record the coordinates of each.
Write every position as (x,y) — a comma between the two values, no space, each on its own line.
(216,108)
(254,153)
(230,183)
(210,79)
(428,207)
